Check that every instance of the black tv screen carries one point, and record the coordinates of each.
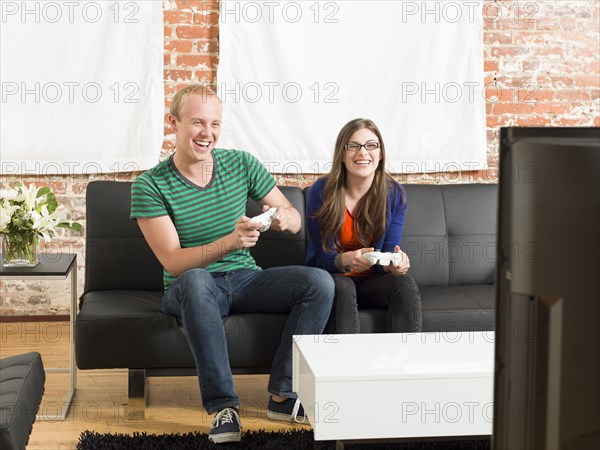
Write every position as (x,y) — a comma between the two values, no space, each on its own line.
(546,391)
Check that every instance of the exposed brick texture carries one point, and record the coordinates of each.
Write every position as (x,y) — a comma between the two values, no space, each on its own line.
(542,68)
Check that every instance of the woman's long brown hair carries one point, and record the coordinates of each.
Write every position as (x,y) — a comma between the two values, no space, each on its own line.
(371,210)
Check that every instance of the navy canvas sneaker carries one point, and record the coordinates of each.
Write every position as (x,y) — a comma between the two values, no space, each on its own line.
(226,427)
(289,410)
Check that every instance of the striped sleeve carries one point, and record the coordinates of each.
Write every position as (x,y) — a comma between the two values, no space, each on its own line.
(146,201)
(260,181)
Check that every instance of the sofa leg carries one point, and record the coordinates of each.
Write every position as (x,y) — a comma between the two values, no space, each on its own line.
(137,388)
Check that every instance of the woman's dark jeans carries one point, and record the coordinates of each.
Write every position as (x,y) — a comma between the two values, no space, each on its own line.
(398,294)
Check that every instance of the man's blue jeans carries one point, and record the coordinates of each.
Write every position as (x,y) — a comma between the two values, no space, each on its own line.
(200,299)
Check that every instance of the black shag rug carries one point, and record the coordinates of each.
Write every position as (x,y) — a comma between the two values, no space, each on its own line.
(287,440)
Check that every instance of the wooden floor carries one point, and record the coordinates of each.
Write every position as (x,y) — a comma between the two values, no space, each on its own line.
(173,402)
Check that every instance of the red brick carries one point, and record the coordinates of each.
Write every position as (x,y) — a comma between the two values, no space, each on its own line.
(168,31)
(490,66)
(194,61)
(546,52)
(57,187)
(587,53)
(514,82)
(178,17)
(590,67)
(205,76)
(495,94)
(511,24)
(572,95)
(493,121)
(553,24)
(198,5)
(572,9)
(587,80)
(512,108)
(533,37)
(196,32)
(552,108)
(532,121)
(78,188)
(510,52)
(552,81)
(531,66)
(208,46)
(496,38)
(168,145)
(176,75)
(170,90)
(529,94)
(179,46)
(573,121)
(209,18)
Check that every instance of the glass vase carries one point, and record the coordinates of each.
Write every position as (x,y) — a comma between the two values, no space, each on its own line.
(20,250)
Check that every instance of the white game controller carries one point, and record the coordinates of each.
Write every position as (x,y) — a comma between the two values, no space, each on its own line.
(383,258)
(265,219)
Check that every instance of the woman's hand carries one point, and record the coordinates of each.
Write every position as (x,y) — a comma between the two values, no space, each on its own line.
(356,260)
(401,267)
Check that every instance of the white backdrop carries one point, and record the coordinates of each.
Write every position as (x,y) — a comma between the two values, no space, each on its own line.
(81,85)
(291,74)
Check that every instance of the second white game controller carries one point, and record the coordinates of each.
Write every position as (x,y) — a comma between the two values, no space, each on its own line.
(265,219)
(383,258)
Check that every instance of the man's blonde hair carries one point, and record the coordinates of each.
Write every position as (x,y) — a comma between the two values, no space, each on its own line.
(197,89)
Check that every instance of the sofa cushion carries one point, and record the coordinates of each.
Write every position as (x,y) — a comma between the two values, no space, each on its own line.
(450,233)
(446,309)
(471,219)
(280,249)
(126,329)
(116,253)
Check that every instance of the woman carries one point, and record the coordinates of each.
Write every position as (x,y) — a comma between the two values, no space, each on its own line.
(356,209)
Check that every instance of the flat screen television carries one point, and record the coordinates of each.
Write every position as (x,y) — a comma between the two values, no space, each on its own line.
(547,377)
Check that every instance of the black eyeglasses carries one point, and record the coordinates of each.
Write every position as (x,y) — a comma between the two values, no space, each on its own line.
(354,147)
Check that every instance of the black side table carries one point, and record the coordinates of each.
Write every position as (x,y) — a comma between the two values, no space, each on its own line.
(54,266)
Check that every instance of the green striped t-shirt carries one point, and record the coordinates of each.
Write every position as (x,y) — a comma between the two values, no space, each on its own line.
(202,215)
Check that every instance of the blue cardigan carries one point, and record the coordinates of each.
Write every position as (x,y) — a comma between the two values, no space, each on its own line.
(316,255)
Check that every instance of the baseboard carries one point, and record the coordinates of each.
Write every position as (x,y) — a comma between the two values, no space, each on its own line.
(46,318)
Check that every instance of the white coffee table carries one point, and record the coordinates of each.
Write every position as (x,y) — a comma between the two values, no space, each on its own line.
(385,386)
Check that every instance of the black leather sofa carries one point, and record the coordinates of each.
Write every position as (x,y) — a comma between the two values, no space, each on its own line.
(449,235)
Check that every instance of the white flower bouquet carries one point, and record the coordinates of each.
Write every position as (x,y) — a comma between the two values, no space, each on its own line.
(26,214)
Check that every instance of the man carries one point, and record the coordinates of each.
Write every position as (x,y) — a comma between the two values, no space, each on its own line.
(190,208)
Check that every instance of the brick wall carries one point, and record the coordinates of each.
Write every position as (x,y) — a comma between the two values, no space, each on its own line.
(541,68)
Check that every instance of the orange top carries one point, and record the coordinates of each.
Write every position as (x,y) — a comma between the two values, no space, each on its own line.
(349,242)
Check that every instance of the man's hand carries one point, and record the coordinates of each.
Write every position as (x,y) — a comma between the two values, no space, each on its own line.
(283,218)
(245,233)
(288,219)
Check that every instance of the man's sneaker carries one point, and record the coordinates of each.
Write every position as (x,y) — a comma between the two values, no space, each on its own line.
(226,427)
(289,410)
